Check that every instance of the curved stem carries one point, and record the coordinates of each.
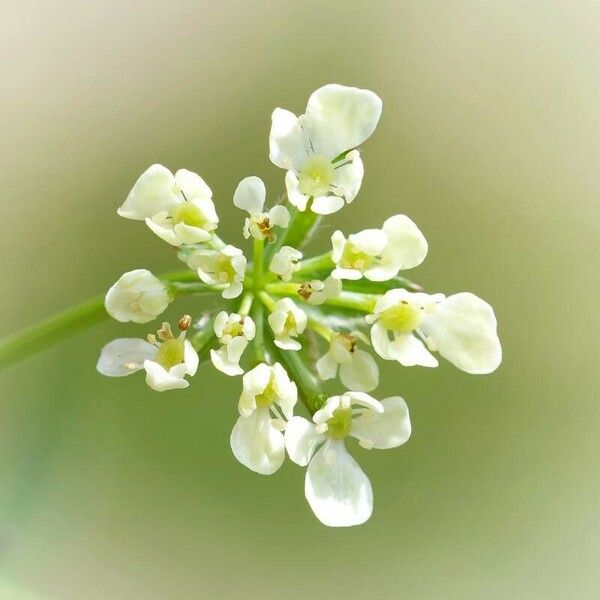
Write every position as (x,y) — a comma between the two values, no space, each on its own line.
(23,344)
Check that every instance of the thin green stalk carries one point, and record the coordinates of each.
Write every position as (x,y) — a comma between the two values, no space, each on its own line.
(184,288)
(56,328)
(314,264)
(362,302)
(258,315)
(258,263)
(246,304)
(325,332)
(49,332)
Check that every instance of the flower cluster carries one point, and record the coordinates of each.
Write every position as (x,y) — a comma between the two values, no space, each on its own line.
(291,323)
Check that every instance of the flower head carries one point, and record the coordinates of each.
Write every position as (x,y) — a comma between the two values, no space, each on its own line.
(379,254)
(166,360)
(317,292)
(267,401)
(217,267)
(250,195)
(137,296)
(177,208)
(234,332)
(358,369)
(336,488)
(285,262)
(461,327)
(287,322)
(317,149)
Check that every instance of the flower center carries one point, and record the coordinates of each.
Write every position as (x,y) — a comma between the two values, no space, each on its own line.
(290,323)
(354,258)
(170,353)
(268,397)
(315,176)
(340,423)
(403,318)
(188,213)
(225,271)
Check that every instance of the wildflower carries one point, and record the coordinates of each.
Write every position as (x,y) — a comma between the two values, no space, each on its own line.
(177,208)
(217,267)
(287,322)
(285,262)
(166,361)
(318,292)
(234,333)
(267,401)
(250,196)
(461,327)
(137,296)
(336,488)
(379,254)
(318,148)
(358,369)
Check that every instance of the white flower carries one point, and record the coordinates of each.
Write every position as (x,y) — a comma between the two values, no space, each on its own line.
(358,369)
(318,292)
(137,296)
(256,439)
(285,262)
(250,196)
(166,363)
(336,121)
(336,488)
(379,254)
(234,332)
(217,267)
(287,322)
(461,327)
(177,208)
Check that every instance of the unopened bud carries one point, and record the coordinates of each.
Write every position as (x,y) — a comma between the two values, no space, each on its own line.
(184,323)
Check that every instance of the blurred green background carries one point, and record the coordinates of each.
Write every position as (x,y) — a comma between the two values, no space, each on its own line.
(490,141)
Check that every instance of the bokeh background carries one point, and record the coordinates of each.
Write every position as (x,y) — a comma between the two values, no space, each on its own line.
(490,141)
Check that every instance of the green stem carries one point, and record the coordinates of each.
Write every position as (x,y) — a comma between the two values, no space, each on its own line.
(180,288)
(325,332)
(258,263)
(246,304)
(315,264)
(49,332)
(258,315)
(362,302)
(56,328)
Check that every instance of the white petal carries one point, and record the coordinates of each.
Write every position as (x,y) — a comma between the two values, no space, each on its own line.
(301,440)
(287,141)
(233,291)
(370,241)
(361,374)
(463,330)
(336,488)
(339,118)
(222,362)
(380,340)
(407,247)
(295,196)
(327,205)
(409,351)
(287,393)
(236,348)
(279,216)
(188,234)
(350,274)
(124,356)
(287,343)
(164,232)
(152,193)
(192,185)
(327,366)
(257,444)
(250,195)
(349,176)
(190,358)
(160,380)
(220,323)
(383,430)
(256,380)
